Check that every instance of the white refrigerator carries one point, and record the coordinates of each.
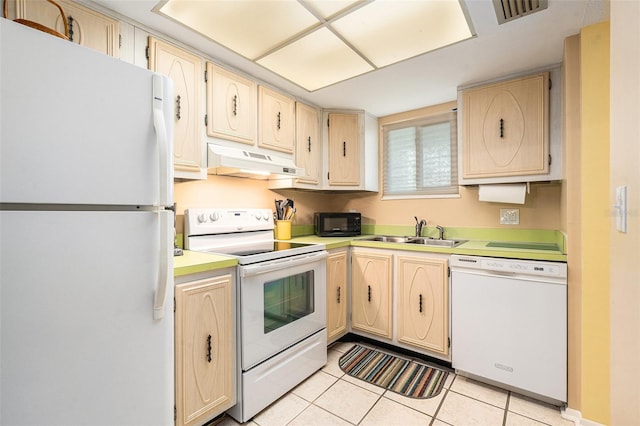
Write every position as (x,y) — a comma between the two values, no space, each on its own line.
(86,236)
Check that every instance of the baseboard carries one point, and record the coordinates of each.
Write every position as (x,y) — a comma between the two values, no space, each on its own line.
(576,417)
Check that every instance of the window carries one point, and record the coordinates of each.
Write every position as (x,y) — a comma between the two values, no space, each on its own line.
(420,157)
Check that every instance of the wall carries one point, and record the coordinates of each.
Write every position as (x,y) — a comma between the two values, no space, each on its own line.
(540,211)
(572,216)
(233,192)
(595,220)
(625,248)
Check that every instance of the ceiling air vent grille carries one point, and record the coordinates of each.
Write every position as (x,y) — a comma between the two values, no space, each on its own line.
(508,10)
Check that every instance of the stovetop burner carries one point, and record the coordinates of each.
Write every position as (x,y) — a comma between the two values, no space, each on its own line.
(246,234)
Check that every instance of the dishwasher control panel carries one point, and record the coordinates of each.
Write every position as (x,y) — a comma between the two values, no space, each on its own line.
(513,266)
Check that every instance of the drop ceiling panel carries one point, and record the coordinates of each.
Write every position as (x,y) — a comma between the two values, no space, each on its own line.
(391,31)
(327,9)
(316,61)
(250,28)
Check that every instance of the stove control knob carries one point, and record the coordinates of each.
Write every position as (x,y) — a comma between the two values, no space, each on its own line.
(202,218)
(265,216)
(214,216)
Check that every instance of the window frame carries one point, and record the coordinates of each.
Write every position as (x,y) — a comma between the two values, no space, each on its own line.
(408,119)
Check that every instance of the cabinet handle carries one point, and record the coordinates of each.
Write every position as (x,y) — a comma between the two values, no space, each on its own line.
(309,143)
(209,348)
(338,294)
(278,121)
(178,107)
(369,293)
(235,105)
(70,19)
(420,303)
(501,128)
(344,148)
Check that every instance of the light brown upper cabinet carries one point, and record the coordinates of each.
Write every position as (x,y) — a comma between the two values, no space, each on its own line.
(344,149)
(185,69)
(231,105)
(86,27)
(308,147)
(506,128)
(275,120)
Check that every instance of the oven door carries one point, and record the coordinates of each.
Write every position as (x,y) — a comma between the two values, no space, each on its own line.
(281,302)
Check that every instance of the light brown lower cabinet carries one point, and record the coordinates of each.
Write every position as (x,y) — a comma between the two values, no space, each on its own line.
(204,355)
(371,286)
(337,296)
(423,303)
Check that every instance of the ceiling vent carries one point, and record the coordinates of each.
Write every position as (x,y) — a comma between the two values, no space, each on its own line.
(508,10)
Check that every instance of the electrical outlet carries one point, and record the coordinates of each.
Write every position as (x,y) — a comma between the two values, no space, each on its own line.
(509,216)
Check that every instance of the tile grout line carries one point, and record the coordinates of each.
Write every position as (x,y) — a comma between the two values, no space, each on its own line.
(435,414)
(506,409)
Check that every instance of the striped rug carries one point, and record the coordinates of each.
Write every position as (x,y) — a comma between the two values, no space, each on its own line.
(402,376)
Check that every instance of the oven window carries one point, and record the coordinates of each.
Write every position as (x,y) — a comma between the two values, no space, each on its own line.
(287,300)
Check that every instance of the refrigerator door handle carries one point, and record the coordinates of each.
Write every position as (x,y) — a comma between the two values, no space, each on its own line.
(162,135)
(165,265)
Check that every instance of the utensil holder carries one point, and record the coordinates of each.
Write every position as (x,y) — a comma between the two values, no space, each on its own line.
(283,230)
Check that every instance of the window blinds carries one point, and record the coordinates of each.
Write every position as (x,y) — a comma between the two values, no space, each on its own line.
(420,157)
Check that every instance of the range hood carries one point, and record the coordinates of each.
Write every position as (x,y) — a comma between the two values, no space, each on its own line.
(223,160)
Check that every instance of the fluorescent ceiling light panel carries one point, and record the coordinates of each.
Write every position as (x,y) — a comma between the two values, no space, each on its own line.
(316,61)
(316,43)
(250,28)
(389,31)
(327,9)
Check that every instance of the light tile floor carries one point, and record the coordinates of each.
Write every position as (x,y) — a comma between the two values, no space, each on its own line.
(330,397)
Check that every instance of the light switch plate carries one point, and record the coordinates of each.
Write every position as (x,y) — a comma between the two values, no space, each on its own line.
(621,208)
(509,216)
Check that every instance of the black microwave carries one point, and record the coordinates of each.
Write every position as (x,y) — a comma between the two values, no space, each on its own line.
(337,224)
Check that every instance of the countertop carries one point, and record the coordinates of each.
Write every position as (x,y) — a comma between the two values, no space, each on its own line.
(192,262)
(530,250)
(539,245)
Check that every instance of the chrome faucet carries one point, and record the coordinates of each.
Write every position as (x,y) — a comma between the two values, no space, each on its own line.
(440,232)
(419,225)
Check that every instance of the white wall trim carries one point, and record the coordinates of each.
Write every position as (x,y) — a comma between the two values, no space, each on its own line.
(576,417)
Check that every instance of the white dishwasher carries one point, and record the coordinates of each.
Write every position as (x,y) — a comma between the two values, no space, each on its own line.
(509,324)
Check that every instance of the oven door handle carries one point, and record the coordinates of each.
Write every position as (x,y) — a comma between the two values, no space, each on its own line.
(275,265)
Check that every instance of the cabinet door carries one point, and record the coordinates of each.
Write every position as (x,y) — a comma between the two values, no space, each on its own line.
(506,128)
(86,27)
(275,120)
(371,282)
(204,348)
(337,297)
(344,150)
(185,70)
(231,105)
(423,303)
(308,152)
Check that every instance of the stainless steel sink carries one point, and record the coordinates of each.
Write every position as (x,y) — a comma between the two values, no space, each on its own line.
(413,240)
(386,239)
(434,242)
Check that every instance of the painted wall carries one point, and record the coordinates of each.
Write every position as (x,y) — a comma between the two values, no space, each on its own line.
(572,216)
(625,248)
(540,211)
(594,56)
